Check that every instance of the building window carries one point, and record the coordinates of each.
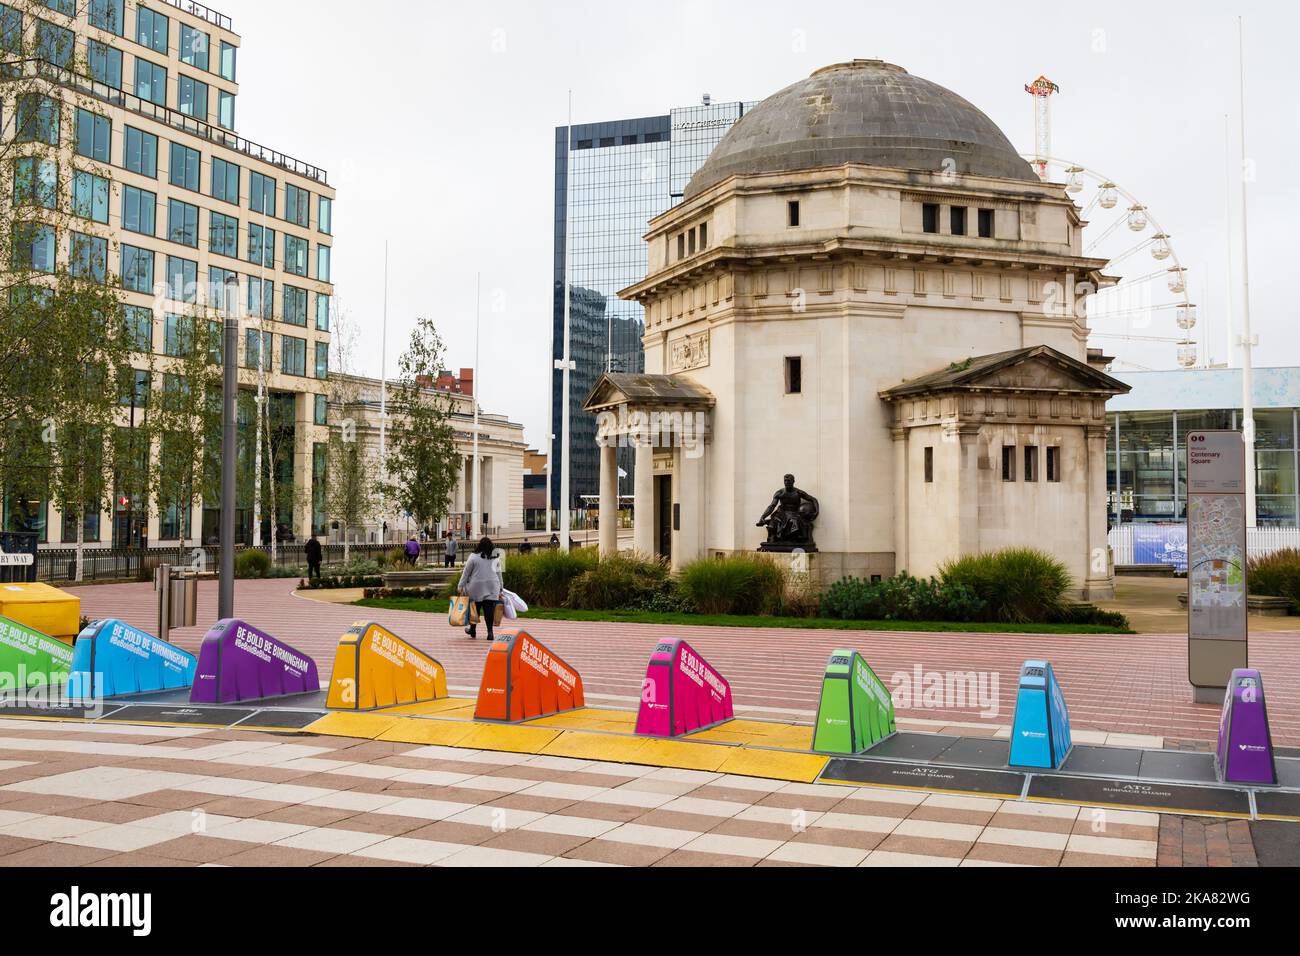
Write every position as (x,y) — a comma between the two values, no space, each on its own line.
(151,29)
(139,327)
(297,205)
(325,216)
(929,465)
(295,255)
(1008,462)
(261,245)
(94,136)
(192,97)
(225,181)
(223,234)
(178,335)
(223,289)
(140,152)
(690,242)
(137,269)
(225,109)
(38,119)
(322,312)
(182,279)
(681,245)
(138,210)
(295,306)
(90,196)
(792,213)
(184,171)
(150,81)
(986,224)
(195,45)
(88,257)
(261,298)
(929,217)
(1031,463)
(11,29)
(322,410)
(794,376)
(253,353)
(105,64)
(183,223)
(36,182)
(54,44)
(228,61)
(957,220)
(323,254)
(107,15)
(293,356)
(34,246)
(261,193)
(1054,463)
(322,360)
(704,236)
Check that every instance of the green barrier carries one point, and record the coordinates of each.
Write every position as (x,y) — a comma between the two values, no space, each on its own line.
(29,658)
(856,711)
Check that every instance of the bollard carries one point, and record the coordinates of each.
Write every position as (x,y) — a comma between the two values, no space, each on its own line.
(1245,752)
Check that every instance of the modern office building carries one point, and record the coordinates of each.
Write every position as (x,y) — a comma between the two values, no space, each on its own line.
(1147,436)
(625,172)
(188,216)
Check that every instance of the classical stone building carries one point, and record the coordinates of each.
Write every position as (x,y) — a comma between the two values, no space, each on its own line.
(865,286)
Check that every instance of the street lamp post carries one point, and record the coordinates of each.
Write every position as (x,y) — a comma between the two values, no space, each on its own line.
(229,395)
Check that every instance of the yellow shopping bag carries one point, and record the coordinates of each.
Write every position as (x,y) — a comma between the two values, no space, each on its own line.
(461,612)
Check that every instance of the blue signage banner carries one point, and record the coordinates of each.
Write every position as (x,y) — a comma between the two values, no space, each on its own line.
(1160,544)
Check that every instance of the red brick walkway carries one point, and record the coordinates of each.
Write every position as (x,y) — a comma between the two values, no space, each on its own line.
(1115,683)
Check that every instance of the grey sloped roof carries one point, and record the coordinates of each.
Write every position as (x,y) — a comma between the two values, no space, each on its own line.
(968,374)
(867,112)
(645,389)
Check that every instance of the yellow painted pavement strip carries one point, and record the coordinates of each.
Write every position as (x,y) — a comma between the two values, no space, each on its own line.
(361,726)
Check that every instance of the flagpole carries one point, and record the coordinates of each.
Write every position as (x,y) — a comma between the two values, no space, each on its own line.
(1247,340)
(476,516)
(566,362)
(383,390)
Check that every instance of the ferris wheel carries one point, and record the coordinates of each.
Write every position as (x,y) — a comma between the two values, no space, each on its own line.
(1120,227)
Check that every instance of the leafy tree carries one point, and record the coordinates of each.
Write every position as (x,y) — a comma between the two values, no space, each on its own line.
(423,465)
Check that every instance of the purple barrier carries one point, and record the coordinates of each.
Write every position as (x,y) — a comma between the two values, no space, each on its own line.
(681,693)
(238,662)
(1245,744)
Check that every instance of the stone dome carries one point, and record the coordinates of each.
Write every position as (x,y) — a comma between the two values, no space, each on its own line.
(867,111)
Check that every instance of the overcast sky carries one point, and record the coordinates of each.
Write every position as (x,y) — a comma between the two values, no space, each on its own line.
(436,123)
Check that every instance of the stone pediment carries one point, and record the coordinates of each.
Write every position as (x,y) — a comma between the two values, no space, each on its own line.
(617,389)
(1037,369)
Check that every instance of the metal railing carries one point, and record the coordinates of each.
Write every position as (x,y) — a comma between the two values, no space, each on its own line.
(44,70)
(203,13)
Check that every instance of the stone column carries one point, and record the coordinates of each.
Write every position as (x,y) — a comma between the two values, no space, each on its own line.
(902,556)
(609,498)
(690,495)
(1099,585)
(643,526)
(968,491)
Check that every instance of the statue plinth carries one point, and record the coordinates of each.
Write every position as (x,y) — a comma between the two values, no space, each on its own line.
(787,547)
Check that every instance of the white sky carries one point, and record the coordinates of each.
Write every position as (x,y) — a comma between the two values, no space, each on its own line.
(436,123)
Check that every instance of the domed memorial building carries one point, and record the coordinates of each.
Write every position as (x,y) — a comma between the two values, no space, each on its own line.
(865,341)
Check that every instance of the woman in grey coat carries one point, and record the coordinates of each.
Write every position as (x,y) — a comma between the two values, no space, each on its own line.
(481,583)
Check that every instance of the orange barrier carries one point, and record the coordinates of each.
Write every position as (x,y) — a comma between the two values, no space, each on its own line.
(42,608)
(523,680)
(373,667)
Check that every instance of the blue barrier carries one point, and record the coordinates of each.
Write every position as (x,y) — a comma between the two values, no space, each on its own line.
(1040,734)
(111,659)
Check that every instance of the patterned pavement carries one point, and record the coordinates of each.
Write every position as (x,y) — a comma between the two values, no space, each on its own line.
(94,795)
(1133,684)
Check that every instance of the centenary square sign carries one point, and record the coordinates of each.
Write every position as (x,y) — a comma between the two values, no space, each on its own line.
(1216,559)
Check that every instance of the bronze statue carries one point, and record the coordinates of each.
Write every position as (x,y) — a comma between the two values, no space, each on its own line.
(789,519)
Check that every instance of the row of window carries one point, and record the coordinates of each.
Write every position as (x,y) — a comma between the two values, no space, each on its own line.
(153,30)
(1009,463)
(958,217)
(39,121)
(178,341)
(629,139)
(692,240)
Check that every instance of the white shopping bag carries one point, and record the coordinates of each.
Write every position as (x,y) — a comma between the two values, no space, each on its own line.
(515,605)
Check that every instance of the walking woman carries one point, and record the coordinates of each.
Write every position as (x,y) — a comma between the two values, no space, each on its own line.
(481,583)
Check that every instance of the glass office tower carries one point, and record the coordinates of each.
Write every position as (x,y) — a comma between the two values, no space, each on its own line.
(625,173)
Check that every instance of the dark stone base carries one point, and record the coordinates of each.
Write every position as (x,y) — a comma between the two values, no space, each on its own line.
(787,547)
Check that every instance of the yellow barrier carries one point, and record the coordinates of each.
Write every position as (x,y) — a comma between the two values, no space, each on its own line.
(42,608)
(373,668)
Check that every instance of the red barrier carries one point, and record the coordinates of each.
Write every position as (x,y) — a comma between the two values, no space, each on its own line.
(523,680)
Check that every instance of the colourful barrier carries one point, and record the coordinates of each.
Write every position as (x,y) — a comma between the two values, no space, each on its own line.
(1245,753)
(42,608)
(856,711)
(29,658)
(1040,734)
(522,679)
(373,667)
(681,693)
(238,662)
(112,659)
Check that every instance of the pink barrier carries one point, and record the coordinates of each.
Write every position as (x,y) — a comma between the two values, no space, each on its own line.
(681,693)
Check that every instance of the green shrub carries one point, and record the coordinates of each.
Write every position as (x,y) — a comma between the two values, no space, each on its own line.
(364,566)
(544,577)
(1017,586)
(902,598)
(252,564)
(741,584)
(1276,575)
(396,559)
(1089,614)
(616,584)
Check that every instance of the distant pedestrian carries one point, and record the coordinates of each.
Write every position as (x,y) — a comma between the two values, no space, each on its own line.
(314,554)
(413,550)
(526,547)
(555,541)
(481,583)
(449,551)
